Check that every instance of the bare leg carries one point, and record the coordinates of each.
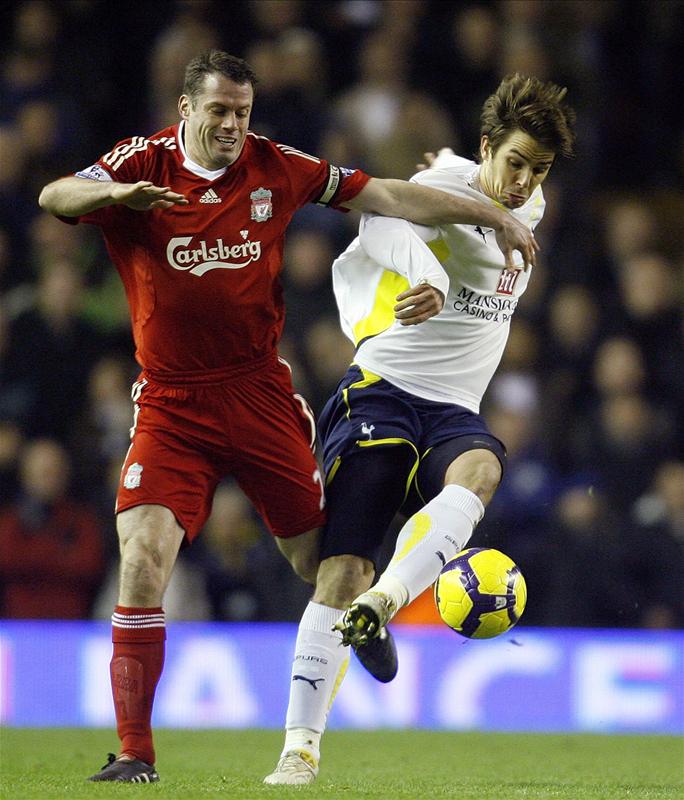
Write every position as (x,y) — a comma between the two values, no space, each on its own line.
(302,553)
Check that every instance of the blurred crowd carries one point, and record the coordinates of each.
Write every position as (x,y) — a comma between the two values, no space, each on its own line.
(589,398)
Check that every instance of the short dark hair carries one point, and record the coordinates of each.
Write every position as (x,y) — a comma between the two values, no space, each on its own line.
(214,61)
(532,106)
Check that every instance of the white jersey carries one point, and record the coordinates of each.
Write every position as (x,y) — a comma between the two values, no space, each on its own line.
(452,357)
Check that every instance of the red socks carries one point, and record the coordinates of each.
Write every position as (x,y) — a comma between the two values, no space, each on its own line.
(138,635)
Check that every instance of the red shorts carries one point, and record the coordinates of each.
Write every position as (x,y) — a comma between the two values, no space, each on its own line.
(188,435)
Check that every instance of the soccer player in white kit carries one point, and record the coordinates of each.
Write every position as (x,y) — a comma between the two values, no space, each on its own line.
(429,312)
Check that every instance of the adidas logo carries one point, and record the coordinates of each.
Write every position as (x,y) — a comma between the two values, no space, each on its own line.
(210,196)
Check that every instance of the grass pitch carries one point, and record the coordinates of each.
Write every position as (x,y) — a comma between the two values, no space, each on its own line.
(48,763)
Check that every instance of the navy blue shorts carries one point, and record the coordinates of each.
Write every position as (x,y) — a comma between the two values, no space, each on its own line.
(384,451)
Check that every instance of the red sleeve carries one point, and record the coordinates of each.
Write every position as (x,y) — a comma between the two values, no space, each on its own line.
(314,180)
(127,162)
(101,170)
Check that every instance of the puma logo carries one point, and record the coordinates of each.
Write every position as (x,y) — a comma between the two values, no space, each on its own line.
(312,681)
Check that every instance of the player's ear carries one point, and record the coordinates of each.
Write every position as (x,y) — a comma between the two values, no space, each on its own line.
(485,148)
(184,106)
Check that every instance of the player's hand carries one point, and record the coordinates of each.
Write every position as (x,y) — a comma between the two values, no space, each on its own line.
(431,157)
(512,235)
(418,304)
(144,195)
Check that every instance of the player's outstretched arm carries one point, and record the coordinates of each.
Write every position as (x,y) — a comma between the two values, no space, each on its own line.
(74,196)
(426,206)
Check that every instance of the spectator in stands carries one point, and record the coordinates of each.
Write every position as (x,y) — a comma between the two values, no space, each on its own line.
(628,437)
(583,582)
(190,31)
(243,581)
(10,445)
(101,434)
(17,207)
(651,294)
(49,353)
(573,325)
(51,551)
(655,549)
(630,228)
(292,89)
(382,110)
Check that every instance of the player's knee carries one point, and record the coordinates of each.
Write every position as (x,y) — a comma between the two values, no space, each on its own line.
(479,472)
(302,552)
(142,570)
(488,475)
(341,579)
(305,566)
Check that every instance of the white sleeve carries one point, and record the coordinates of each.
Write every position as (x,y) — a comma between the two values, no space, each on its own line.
(399,245)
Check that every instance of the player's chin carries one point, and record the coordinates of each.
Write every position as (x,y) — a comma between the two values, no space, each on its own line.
(514,201)
(224,157)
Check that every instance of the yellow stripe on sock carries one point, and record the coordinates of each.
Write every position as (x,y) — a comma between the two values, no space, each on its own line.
(421,526)
(338,681)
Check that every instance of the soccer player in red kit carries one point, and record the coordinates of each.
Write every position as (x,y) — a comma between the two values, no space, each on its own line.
(194,219)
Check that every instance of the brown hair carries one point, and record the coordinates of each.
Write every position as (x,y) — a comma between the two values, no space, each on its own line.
(532,106)
(216,61)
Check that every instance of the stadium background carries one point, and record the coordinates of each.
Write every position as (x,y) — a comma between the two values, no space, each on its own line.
(588,397)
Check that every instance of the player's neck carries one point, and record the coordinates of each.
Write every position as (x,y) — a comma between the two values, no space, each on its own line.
(484,181)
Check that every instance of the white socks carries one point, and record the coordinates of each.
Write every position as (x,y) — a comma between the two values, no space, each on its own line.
(319,665)
(433,535)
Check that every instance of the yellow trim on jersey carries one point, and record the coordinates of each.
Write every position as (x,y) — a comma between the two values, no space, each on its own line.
(440,249)
(382,314)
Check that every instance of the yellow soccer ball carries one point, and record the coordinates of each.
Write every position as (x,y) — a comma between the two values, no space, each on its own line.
(480,593)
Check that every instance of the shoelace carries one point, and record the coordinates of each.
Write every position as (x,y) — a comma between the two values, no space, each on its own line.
(293,762)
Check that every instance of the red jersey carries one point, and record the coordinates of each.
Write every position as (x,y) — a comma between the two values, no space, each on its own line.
(202,280)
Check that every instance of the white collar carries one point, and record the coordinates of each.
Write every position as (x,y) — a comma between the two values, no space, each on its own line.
(189,164)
